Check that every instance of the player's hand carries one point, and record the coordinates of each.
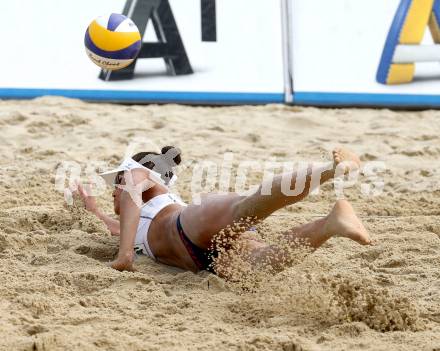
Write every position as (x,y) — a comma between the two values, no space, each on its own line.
(123,264)
(89,200)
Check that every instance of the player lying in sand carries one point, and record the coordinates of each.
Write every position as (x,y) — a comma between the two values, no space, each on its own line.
(160,225)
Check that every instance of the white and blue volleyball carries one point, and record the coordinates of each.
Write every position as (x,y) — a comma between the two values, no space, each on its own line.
(113,42)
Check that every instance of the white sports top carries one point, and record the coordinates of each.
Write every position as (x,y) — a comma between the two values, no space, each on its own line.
(148,211)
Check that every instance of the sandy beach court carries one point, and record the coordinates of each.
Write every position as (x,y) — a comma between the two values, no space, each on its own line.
(57,293)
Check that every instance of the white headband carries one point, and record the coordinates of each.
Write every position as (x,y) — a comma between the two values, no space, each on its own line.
(129,164)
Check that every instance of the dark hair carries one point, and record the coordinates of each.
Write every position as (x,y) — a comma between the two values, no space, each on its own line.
(162,163)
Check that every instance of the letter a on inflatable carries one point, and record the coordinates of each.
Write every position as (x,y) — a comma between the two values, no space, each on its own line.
(402,47)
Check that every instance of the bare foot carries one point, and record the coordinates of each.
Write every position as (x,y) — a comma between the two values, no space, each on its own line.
(345,158)
(342,221)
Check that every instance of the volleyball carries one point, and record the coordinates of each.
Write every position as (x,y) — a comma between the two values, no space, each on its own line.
(112,42)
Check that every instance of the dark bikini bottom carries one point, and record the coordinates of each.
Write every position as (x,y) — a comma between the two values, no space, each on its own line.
(204,259)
